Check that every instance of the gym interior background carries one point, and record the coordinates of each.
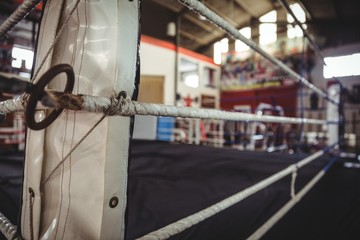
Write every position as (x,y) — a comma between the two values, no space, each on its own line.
(187,61)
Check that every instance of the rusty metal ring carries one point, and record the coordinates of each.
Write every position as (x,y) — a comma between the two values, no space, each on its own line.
(37,93)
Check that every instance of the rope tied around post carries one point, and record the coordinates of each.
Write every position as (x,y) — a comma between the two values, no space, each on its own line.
(119,105)
(123,106)
(116,102)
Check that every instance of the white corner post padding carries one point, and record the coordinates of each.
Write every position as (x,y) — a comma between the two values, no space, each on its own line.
(85,197)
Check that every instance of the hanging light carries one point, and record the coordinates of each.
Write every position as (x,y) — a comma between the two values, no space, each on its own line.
(171,29)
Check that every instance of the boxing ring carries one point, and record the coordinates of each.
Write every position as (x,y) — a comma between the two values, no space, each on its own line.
(62,159)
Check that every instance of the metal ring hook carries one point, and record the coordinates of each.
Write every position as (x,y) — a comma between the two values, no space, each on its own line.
(38,90)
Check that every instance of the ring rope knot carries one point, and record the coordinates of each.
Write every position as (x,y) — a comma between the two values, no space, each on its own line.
(119,105)
(24,99)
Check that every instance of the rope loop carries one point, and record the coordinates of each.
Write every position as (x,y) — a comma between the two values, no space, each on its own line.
(293,180)
(120,104)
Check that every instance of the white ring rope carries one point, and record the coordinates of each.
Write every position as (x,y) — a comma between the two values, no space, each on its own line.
(289,205)
(292,185)
(17,16)
(127,107)
(12,105)
(286,208)
(199,7)
(187,222)
(7,228)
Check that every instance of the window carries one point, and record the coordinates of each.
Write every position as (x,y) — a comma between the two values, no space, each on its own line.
(239,45)
(295,31)
(219,48)
(342,66)
(268,28)
(209,77)
(189,73)
(192,80)
(21,57)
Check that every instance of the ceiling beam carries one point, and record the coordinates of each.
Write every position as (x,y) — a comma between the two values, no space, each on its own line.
(308,14)
(174,6)
(218,12)
(198,22)
(210,29)
(192,37)
(246,8)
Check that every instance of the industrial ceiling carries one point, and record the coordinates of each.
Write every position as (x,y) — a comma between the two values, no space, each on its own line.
(330,22)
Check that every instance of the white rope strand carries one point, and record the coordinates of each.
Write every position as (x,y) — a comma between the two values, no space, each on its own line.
(12,105)
(286,208)
(17,16)
(127,107)
(292,184)
(7,228)
(139,108)
(199,7)
(185,223)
